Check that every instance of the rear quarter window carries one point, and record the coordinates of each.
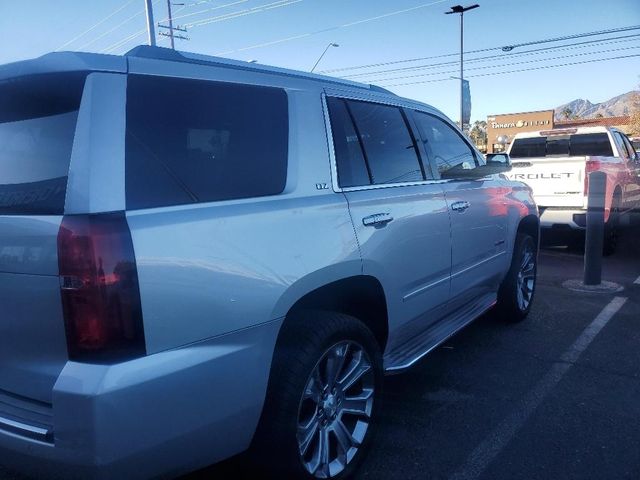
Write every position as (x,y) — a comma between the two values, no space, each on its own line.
(191,141)
(38,116)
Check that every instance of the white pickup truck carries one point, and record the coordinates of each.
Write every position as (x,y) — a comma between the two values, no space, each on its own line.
(556,164)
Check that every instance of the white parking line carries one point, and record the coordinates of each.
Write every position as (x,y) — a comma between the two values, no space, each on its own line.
(493,444)
(637,281)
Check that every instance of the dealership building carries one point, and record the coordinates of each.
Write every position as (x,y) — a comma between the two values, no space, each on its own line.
(502,128)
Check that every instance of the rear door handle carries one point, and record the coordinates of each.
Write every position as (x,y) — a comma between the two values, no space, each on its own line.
(460,206)
(377,220)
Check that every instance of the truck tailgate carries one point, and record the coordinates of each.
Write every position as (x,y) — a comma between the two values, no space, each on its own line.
(556,181)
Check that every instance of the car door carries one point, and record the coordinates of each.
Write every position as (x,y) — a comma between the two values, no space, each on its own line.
(477,207)
(401,220)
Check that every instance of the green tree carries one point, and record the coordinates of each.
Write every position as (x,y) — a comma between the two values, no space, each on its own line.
(567,113)
(478,134)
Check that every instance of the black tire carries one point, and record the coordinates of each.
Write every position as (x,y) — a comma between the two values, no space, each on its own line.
(611,228)
(509,306)
(305,338)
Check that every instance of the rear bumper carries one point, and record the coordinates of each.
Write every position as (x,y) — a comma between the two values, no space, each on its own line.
(164,414)
(573,219)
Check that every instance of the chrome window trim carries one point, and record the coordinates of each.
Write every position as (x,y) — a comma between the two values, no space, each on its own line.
(330,145)
(394,185)
(332,151)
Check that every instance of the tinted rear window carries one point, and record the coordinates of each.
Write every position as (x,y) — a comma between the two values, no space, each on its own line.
(192,141)
(38,117)
(528,147)
(592,144)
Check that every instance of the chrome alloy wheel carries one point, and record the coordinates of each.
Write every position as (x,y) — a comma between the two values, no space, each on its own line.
(335,409)
(526,276)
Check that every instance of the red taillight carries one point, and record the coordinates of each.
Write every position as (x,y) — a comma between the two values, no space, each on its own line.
(590,166)
(99,287)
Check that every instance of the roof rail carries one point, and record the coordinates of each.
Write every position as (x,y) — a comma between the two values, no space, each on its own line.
(162,53)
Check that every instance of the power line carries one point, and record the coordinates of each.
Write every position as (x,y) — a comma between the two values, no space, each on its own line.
(104,34)
(512,63)
(123,41)
(242,13)
(118,10)
(171,29)
(128,38)
(330,29)
(209,9)
(544,67)
(572,46)
(536,42)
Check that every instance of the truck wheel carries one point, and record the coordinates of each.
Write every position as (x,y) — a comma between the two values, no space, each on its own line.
(518,287)
(611,229)
(323,398)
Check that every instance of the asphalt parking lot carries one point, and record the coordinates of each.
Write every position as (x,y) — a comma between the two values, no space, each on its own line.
(554,397)
(557,396)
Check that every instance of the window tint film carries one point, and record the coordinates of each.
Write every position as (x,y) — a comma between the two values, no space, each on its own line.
(445,146)
(595,144)
(38,117)
(194,141)
(558,145)
(629,146)
(352,169)
(388,147)
(529,147)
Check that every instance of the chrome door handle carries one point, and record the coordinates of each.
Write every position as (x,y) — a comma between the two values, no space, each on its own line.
(460,206)
(377,220)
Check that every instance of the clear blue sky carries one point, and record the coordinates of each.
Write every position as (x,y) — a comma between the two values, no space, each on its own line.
(34,27)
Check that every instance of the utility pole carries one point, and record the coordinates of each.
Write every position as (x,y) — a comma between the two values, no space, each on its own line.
(173,47)
(460,9)
(171,28)
(150,25)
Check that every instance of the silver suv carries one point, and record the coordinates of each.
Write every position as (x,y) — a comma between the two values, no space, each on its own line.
(200,257)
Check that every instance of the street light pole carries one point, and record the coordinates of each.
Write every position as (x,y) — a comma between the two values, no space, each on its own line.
(150,27)
(323,53)
(460,9)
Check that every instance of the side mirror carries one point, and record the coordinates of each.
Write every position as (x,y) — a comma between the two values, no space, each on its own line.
(498,159)
(497,163)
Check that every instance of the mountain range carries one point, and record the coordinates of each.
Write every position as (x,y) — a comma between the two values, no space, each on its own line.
(614,107)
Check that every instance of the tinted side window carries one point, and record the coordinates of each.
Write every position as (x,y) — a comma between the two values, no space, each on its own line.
(388,147)
(629,146)
(196,141)
(445,146)
(352,168)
